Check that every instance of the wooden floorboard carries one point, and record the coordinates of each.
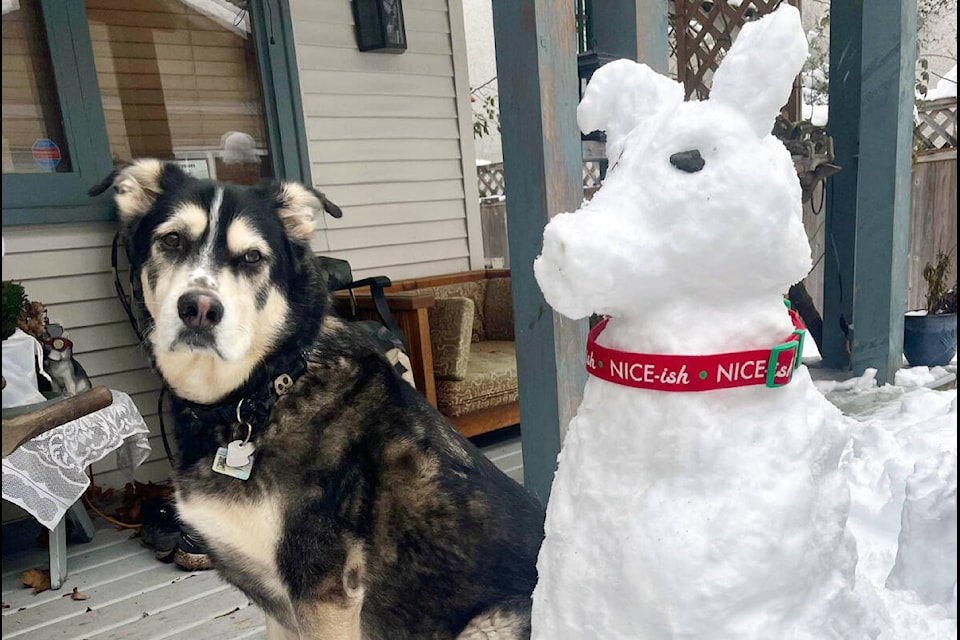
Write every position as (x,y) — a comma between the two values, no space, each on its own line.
(129,594)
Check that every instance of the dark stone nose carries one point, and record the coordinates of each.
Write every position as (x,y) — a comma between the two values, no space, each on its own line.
(690,161)
(200,310)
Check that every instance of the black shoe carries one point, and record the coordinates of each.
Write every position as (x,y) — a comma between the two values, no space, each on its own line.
(191,553)
(160,529)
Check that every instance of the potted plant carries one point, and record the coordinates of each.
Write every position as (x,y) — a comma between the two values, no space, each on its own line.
(930,334)
(14,303)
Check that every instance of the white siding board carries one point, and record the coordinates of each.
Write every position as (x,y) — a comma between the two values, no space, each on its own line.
(56,236)
(383,128)
(88,313)
(343,59)
(381,150)
(349,195)
(130,382)
(342,240)
(335,173)
(309,32)
(426,5)
(102,336)
(403,254)
(53,291)
(327,12)
(425,22)
(399,213)
(393,106)
(418,269)
(107,361)
(375,82)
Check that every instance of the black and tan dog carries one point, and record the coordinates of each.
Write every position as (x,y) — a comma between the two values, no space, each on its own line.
(325,487)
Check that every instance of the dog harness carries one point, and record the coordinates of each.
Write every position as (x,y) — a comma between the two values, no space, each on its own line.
(772,367)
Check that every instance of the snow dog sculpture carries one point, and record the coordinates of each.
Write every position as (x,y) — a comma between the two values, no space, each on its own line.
(697,494)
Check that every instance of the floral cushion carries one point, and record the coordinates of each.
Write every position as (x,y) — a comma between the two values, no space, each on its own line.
(498,310)
(475,291)
(451,324)
(491,380)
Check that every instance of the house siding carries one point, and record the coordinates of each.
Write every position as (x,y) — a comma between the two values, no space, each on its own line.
(390,141)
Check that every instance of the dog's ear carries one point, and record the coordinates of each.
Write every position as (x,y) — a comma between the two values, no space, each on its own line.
(298,206)
(137,186)
(328,205)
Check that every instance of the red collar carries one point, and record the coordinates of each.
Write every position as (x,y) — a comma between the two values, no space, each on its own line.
(773,367)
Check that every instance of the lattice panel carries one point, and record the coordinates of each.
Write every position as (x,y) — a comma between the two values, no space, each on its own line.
(702,32)
(591,174)
(936,126)
(490,182)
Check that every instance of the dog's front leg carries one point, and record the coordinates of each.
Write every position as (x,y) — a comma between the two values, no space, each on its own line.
(323,620)
(334,610)
(276,631)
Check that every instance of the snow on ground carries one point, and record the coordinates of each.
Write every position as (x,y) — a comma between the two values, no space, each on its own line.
(901,467)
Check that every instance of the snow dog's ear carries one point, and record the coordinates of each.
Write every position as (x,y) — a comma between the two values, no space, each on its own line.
(620,95)
(298,206)
(137,185)
(755,83)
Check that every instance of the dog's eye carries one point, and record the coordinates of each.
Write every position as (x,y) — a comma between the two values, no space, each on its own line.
(170,240)
(252,257)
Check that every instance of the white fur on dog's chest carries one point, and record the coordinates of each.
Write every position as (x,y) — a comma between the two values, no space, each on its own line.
(246,531)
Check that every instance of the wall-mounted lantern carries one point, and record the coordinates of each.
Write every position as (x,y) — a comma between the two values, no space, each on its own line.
(379,25)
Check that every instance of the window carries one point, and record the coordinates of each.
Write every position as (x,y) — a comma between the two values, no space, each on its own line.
(87,86)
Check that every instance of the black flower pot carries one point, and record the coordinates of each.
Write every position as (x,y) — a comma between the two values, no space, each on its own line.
(930,340)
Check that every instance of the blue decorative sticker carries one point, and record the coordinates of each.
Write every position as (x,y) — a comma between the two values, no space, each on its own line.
(46,153)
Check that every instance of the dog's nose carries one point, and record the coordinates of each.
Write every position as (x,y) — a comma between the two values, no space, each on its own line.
(200,310)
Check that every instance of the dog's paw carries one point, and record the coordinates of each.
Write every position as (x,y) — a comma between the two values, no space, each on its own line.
(507,621)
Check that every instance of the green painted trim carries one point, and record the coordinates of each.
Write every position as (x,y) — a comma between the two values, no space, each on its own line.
(272,30)
(100,211)
(100,158)
(296,97)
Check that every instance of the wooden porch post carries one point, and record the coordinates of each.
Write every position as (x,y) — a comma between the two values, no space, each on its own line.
(537,75)
(872,58)
(634,29)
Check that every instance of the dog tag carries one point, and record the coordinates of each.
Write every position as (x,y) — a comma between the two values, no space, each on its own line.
(238,453)
(220,464)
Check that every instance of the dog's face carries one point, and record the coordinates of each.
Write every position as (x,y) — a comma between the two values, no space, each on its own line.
(223,270)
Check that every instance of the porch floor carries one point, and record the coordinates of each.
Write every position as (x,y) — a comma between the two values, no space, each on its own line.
(130,595)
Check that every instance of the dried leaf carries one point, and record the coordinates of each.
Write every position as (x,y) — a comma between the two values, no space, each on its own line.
(75,595)
(39,579)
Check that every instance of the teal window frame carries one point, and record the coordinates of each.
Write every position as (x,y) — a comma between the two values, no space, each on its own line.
(30,199)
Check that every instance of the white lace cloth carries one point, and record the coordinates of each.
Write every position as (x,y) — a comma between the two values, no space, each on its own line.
(46,475)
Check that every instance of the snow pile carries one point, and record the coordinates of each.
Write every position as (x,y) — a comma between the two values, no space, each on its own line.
(901,466)
(715,514)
